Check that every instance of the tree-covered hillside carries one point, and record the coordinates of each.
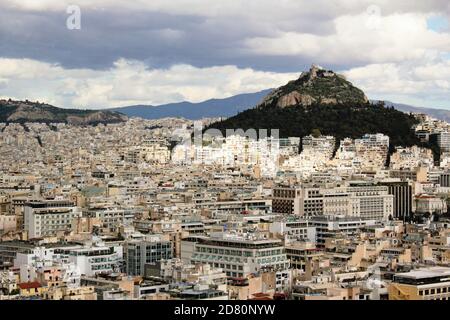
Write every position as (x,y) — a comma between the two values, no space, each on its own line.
(341,121)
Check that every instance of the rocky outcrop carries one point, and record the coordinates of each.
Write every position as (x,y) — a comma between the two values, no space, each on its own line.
(318,86)
(29,112)
(295,98)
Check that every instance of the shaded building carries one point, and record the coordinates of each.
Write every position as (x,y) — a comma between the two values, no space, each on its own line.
(403,198)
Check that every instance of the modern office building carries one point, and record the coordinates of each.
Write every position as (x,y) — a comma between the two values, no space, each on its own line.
(140,253)
(403,198)
(370,201)
(10,249)
(444,179)
(442,139)
(286,200)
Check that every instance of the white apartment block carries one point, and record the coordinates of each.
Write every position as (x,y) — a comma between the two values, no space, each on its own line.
(294,230)
(48,217)
(372,149)
(328,227)
(95,259)
(238,255)
(323,145)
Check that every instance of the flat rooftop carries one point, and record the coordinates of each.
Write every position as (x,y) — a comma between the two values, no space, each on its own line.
(424,273)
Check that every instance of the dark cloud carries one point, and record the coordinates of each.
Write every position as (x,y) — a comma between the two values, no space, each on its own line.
(159,39)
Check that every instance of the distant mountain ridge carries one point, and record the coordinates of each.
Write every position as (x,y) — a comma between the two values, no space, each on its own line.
(207,109)
(26,111)
(440,114)
(231,106)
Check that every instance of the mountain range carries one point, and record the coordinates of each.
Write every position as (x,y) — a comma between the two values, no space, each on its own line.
(207,109)
(231,106)
(440,114)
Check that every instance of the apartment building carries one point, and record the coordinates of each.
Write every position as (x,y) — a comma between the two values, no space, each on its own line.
(294,230)
(93,260)
(430,204)
(240,255)
(302,253)
(323,145)
(48,217)
(111,218)
(357,199)
(329,227)
(236,206)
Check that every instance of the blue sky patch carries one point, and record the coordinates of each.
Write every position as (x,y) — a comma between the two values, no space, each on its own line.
(438,23)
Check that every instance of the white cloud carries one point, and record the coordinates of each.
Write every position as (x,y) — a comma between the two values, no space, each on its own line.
(422,85)
(392,38)
(129,82)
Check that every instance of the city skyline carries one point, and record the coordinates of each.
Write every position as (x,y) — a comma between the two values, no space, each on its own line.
(323,188)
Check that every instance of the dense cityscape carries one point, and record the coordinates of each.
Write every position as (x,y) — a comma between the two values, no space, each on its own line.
(134,211)
(195,159)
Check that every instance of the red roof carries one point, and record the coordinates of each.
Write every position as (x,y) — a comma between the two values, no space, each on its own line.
(260,294)
(29,285)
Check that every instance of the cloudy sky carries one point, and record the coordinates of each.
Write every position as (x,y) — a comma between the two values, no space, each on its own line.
(158,51)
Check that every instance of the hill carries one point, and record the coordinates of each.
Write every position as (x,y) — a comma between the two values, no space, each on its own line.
(338,120)
(207,109)
(318,86)
(322,100)
(26,111)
